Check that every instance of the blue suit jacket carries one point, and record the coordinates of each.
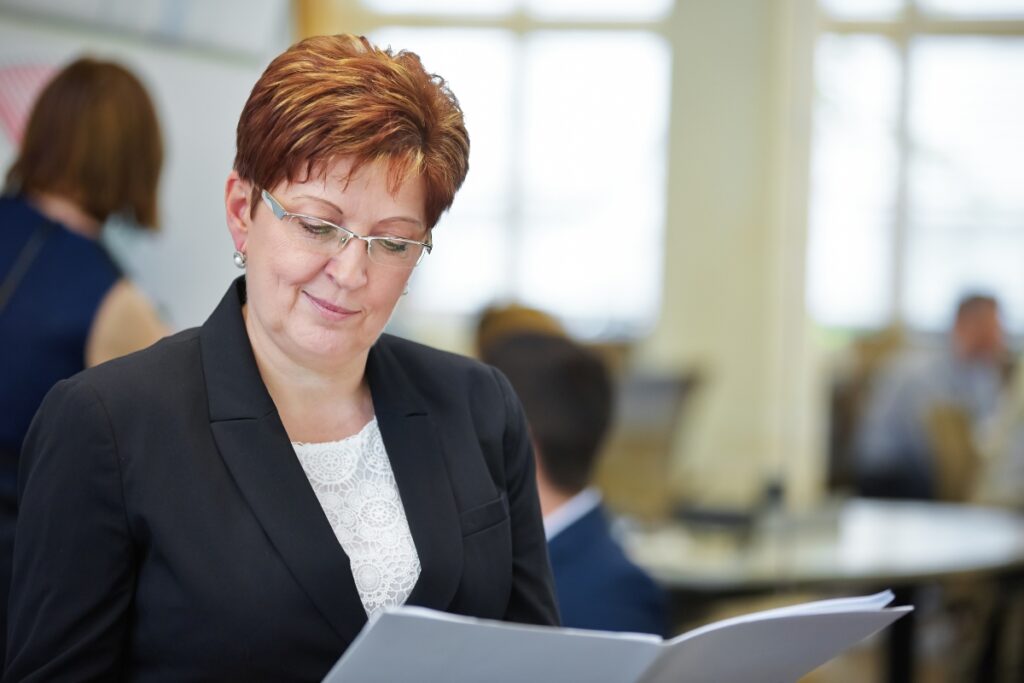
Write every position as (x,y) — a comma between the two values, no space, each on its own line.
(596,584)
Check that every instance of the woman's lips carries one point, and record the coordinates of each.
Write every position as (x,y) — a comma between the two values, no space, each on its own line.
(330,310)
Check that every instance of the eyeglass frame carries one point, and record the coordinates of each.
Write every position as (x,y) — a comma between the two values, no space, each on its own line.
(345,234)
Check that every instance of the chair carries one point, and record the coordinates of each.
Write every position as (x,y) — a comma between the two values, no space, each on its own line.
(957,460)
(850,389)
(634,470)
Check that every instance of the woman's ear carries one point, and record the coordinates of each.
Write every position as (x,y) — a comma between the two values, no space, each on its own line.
(236,206)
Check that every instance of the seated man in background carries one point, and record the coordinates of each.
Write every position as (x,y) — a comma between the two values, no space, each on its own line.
(498,321)
(567,394)
(913,403)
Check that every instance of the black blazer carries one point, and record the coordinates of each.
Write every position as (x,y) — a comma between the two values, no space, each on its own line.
(167,531)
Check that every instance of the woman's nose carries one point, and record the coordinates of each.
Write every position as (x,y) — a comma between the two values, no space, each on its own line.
(348,267)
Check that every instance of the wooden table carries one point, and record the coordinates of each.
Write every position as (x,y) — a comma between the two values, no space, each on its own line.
(853,546)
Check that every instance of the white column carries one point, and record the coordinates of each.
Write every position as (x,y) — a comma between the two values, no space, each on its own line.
(736,238)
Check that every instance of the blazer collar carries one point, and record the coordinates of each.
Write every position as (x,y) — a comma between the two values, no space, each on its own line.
(234,386)
(254,445)
(583,536)
(417,458)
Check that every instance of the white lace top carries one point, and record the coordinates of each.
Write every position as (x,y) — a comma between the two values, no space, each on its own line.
(356,487)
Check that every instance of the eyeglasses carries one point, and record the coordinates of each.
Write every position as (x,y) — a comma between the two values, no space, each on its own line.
(324,237)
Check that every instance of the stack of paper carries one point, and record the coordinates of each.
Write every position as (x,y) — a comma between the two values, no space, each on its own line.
(427,646)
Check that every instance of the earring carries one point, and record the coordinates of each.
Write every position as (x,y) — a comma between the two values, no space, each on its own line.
(239,259)
(405,291)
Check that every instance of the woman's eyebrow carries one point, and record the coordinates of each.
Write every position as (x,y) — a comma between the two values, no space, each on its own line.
(322,201)
(414,222)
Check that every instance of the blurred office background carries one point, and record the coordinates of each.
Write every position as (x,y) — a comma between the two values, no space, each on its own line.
(736,199)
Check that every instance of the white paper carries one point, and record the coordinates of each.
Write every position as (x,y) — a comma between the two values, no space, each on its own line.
(422,645)
(427,646)
(778,649)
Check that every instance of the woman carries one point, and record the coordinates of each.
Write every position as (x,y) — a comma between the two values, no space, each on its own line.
(233,502)
(91,149)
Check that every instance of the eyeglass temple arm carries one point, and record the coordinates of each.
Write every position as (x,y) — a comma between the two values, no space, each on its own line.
(275,208)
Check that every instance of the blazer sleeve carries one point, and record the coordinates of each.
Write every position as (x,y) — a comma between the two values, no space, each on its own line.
(73,575)
(532,599)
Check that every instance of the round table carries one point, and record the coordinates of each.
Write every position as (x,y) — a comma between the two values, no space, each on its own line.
(849,546)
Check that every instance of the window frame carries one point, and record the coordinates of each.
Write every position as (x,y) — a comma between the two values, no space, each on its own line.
(312,16)
(901,29)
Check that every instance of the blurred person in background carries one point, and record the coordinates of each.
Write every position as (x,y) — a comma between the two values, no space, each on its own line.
(234,502)
(501,320)
(92,149)
(567,393)
(922,404)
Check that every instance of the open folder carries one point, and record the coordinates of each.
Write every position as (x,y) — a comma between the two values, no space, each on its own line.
(427,646)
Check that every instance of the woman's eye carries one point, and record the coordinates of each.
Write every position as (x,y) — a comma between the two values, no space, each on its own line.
(316,228)
(395,246)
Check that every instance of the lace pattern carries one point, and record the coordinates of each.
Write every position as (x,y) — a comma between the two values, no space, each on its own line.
(355,485)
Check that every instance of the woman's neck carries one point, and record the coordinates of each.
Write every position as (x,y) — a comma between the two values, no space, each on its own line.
(66,212)
(315,405)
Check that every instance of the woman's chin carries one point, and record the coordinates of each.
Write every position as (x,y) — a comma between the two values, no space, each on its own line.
(321,346)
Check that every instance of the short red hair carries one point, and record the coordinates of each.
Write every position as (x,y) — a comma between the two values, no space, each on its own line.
(329,97)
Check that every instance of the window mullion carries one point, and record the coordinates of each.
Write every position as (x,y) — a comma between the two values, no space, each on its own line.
(515,224)
(901,212)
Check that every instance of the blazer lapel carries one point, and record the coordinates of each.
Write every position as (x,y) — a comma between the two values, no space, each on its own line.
(254,445)
(417,459)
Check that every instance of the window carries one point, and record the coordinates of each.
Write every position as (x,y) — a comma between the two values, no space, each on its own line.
(916,194)
(567,108)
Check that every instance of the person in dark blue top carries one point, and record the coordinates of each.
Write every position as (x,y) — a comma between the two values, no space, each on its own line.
(567,395)
(47,319)
(91,148)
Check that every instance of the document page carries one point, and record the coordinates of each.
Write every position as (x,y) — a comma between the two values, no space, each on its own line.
(833,606)
(775,649)
(416,644)
(773,646)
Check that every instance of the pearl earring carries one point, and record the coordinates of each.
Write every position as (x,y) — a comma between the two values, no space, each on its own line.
(239,259)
